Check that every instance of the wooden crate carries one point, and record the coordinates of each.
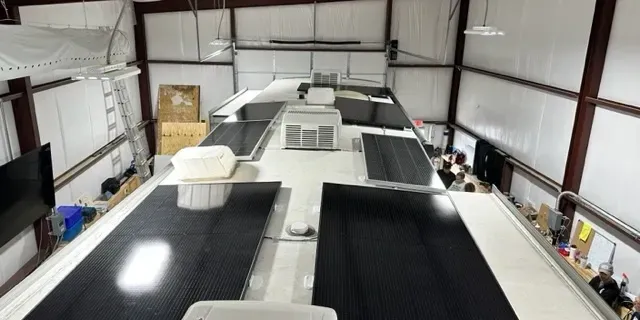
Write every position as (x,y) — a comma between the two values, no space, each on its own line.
(125,189)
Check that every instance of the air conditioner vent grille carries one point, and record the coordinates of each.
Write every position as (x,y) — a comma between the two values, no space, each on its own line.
(325,78)
(311,129)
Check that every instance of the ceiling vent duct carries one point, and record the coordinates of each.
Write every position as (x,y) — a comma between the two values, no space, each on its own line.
(311,128)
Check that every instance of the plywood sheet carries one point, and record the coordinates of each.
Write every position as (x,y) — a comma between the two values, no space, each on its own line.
(543,215)
(176,136)
(177,103)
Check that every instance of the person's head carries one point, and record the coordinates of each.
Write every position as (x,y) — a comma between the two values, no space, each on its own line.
(636,303)
(469,187)
(460,176)
(446,167)
(605,271)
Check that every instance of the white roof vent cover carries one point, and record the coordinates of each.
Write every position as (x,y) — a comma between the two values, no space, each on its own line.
(311,128)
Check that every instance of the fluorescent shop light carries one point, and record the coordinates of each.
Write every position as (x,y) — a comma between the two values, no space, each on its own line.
(219,42)
(116,75)
(216,53)
(484,31)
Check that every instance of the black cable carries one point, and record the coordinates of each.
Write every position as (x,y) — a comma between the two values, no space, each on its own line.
(486,12)
(453,12)
(314,42)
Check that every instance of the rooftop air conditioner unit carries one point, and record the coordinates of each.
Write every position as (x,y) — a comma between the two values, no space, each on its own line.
(325,78)
(311,128)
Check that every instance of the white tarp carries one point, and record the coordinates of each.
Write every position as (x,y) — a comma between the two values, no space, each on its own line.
(36,50)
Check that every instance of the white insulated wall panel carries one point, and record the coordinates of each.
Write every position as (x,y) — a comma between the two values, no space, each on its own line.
(424,93)
(421,26)
(216,83)
(73,118)
(254,81)
(352,20)
(331,61)
(4,87)
(621,78)
(9,144)
(531,126)
(263,61)
(255,61)
(527,190)
(16,253)
(256,69)
(367,63)
(292,62)
(172,35)
(88,183)
(540,44)
(98,14)
(49,124)
(466,143)
(256,26)
(611,165)
(372,63)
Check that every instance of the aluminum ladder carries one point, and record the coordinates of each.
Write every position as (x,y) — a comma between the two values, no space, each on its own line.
(112,126)
(119,95)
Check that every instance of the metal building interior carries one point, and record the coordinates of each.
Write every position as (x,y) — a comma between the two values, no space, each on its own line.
(314,183)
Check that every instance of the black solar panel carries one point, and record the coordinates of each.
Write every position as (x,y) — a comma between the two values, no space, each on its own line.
(369,113)
(242,137)
(388,254)
(181,245)
(398,160)
(256,111)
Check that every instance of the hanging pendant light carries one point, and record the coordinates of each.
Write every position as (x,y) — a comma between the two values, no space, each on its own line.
(485,30)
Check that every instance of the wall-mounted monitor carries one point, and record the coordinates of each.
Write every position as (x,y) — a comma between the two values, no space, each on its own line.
(26,192)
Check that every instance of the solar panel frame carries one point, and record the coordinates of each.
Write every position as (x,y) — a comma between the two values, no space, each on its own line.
(430,183)
(257,111)
(236,148)
(211,258)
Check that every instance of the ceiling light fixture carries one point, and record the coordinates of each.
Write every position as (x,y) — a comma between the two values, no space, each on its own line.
(216,53)
(485,30)
(113,75)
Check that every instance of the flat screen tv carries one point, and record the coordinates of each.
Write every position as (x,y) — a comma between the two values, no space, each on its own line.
(26,192)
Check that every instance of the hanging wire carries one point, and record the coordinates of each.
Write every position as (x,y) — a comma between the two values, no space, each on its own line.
(486,12)
(6,10)
(452,12)
(84,8)
(224,4)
